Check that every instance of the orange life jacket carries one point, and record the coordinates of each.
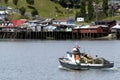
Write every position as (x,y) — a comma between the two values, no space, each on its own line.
(77,57)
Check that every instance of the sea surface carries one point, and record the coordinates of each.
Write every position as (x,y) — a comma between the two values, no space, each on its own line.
(38,59)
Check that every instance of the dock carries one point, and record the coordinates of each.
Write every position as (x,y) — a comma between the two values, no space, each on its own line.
(61,35)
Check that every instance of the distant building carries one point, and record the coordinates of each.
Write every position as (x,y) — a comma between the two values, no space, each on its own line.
(115,28)
(92,29)
(3,15)
(18,23)
(114,1)
(64,22)
(109,23)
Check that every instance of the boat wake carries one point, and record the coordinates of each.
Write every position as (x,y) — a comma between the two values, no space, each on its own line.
(105,69)
(64,68)
(112,69)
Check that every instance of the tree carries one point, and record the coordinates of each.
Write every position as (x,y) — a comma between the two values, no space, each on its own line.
(105,7)
(90,10)
(6,1)
(15,2)
(67,3)
(97,1)
(82,9)
(34,12)
(31,2)
(22,10)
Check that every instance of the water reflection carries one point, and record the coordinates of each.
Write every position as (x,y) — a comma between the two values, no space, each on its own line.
(38,60)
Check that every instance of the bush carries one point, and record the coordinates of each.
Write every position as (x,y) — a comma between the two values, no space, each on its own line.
(6,1)
(22,10)
(15,2)
(34,12)
(31,2)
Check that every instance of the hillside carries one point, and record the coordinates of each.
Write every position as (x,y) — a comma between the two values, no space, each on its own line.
(45,8)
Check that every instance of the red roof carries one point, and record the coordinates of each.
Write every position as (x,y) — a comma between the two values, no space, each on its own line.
(17,23)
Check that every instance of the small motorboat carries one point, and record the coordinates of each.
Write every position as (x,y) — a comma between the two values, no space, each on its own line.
(83,62)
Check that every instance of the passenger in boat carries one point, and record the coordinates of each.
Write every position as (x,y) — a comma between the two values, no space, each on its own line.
(76,53)
(77,58)
(88,56)
(86,59)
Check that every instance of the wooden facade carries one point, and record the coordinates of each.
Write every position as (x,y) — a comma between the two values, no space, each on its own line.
(93,29)
(109,23)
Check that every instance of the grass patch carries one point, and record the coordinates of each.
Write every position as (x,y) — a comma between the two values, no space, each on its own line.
(46,8)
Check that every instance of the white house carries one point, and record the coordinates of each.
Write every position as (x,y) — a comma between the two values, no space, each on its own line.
(3,15)
(115,28)
(64,22)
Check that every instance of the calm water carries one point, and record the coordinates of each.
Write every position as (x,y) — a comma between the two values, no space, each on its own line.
(38,60)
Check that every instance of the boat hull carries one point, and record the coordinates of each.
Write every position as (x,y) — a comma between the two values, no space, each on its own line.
(66,63)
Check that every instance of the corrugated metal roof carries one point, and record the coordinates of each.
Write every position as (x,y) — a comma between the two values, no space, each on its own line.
(117,26)
(92,26)
(86,26)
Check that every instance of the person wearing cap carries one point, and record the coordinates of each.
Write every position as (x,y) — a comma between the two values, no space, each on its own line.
(76,55)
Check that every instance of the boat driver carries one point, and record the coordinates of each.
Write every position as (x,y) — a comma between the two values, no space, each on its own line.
(76,53)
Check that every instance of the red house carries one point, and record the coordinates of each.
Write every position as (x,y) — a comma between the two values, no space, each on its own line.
(93,29)
(17,23)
